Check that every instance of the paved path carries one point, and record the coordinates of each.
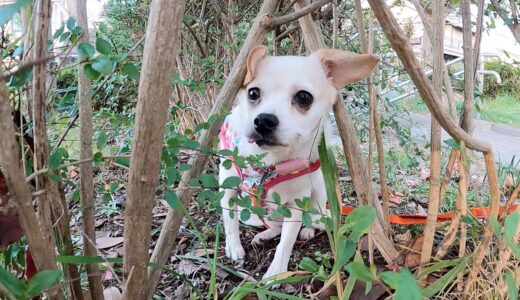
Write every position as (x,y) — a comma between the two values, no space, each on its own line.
(504,139)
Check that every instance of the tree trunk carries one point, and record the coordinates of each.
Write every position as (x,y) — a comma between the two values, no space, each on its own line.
(155,86)
(86,174)
(224,102)
(42,252)
(41,143)
(435,143)
(364,189)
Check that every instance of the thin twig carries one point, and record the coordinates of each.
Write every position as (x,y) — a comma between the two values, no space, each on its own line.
(273,22)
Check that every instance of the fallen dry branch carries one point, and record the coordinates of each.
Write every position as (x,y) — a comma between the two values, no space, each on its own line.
(363,186)
(151,116)
(224,101)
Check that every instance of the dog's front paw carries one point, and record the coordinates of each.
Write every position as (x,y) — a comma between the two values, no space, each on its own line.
(306,233)
(273,271)
(235,251)
(265,235)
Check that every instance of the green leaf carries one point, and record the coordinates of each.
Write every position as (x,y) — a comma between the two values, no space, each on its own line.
(306,219)
(276,198)
(90,72)
(123,161)
(441,283)
(173,199)
(101,142)
(8,11)
(360,271)
(227,164)
(309,265)
(71,23)
(231,182)
(86,50)
(510,224)
(284,211)
(259,211)
(42,281)
(245,214)
(452,143)
(209,180)
(59,32)
(102,64)
(64,36)
(404,284)
(103,46)
(11,283)
(102,27)
(97,158)
(55,159)
(344,250)
(358,222)
(512,289)
(131,70)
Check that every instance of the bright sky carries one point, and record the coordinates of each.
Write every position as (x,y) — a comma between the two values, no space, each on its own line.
(94,8)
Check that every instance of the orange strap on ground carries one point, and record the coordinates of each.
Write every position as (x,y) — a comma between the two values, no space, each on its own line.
(411,219)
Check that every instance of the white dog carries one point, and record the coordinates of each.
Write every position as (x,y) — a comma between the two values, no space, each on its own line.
(282,110)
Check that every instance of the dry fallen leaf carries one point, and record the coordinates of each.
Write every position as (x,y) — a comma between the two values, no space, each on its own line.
(424,172)
(108,242)
(395,197)
(508,185)
(403,238)
(413,182)
(73,171)
(187,267)
(412,257)
(202,252)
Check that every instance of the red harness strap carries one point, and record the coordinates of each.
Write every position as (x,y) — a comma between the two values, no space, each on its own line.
(279,178)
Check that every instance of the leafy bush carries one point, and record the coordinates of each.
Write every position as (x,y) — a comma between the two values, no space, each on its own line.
(67,78)
(510,80)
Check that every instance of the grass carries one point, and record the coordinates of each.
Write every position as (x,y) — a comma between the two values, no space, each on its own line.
(503,109)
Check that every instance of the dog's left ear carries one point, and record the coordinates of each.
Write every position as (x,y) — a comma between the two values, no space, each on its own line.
(253,58)
(343,67)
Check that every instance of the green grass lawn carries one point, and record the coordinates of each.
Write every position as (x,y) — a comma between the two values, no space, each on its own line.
(504,109)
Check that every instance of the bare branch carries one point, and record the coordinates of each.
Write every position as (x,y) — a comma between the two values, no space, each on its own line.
(273,22)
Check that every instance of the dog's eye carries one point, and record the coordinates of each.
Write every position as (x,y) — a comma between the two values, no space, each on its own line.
(253,94)
(303,99)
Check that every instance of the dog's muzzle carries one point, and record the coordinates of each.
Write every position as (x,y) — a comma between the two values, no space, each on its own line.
(265,126)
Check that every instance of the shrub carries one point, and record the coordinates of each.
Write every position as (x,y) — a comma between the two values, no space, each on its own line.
(67,78)
(510,80)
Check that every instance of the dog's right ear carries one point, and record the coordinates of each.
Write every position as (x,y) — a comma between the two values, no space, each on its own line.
(343,67)
(255,55)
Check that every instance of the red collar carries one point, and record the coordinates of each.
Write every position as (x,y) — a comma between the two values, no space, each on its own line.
(281,177)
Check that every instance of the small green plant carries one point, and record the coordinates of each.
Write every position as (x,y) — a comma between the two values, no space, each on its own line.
(19,289)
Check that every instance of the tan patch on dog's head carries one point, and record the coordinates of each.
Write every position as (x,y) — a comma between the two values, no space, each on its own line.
(254,56)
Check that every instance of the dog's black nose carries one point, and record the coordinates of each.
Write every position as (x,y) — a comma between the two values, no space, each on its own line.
(266,123)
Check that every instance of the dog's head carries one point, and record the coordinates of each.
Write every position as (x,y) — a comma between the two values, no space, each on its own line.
(284,98)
